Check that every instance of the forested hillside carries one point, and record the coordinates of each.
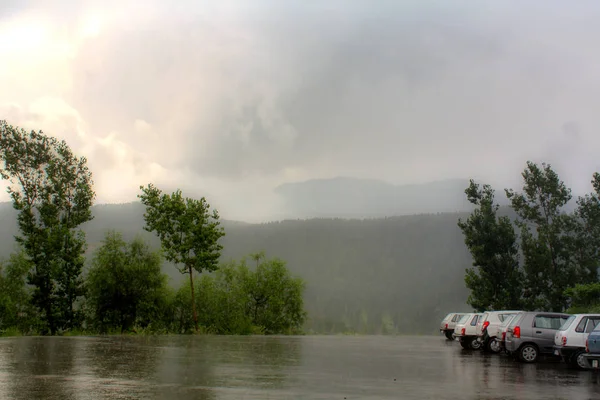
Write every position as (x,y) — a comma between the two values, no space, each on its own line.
(358,198)
(399,274)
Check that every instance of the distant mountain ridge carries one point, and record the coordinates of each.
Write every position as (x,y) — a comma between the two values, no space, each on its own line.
(346,197)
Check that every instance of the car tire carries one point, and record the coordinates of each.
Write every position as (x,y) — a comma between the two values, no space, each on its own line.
(493,346)
(475,344)
(578,360)
(528,353)
(449,335)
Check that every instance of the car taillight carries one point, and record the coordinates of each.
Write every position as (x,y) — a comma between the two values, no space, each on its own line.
(446,326)
(485,325)
(564,340)
(462,331)
(587,348)
(517,332)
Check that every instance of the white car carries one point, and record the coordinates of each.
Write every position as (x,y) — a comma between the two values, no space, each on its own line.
(466,331)
(569,340)
(448,324)
(501,332)
(487,327)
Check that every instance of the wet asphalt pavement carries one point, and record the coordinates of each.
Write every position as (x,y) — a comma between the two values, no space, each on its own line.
(311,367)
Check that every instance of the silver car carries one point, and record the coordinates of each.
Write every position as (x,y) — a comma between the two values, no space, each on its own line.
(531,334)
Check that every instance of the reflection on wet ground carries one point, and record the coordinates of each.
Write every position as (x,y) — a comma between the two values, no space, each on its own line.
(312,367)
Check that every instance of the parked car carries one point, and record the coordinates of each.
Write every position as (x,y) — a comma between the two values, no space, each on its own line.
(592,348)
(466,331)
(487,327)
(569,340)
(501,330)
(531,334)
(448,324)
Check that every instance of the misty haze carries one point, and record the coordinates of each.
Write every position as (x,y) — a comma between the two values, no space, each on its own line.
(284,199)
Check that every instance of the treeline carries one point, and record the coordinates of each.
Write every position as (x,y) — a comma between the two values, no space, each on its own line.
(545,258)
(43,287)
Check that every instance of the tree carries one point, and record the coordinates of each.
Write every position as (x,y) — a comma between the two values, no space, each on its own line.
(189,233)
(51,189)
(546,237)
(275,297)
(588,233)
(15,308)
(125,285)
(584,298)
(496,281)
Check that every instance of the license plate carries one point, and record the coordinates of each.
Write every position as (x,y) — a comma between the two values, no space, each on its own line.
(594,363)
(556,353)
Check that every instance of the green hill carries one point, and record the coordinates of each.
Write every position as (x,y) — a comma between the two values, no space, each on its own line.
(399,274)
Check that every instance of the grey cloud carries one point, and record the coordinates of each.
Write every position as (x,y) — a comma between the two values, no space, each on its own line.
(392,91)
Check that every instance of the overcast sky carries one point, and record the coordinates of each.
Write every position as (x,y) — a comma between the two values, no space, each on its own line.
(228,99)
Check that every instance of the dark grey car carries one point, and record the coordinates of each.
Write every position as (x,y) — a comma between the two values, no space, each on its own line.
(531,334)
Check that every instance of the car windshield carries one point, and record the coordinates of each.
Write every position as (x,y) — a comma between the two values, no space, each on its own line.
(567,323)
(463,319)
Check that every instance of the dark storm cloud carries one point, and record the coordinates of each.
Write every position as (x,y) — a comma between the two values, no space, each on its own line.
(404,91)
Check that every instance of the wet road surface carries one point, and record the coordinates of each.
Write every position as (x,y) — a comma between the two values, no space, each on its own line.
(312,367)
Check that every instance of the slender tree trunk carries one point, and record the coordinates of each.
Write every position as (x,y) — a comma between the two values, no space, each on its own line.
(193,299)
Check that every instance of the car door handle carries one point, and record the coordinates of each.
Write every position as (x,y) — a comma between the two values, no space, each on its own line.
(538,331)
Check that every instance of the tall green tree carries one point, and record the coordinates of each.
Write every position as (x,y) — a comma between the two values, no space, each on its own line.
(51,189)
(587,233)
(189,232)
(547,233)
(125,285)
(496,281)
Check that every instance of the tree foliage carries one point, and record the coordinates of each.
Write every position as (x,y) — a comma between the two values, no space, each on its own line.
(125,285)
(584,298)
(189,233)
(496,281)
(547,239)
(239,299)
(51,189)
(15,306)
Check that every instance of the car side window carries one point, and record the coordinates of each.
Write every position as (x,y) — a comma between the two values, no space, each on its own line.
(548,322)
(474,320)
(581,325)
(592,323)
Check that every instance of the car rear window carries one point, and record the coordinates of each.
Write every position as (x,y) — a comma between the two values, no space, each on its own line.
(515,320)
(567,323)
(503,317)
(592,324)
(463,319)
(507,319)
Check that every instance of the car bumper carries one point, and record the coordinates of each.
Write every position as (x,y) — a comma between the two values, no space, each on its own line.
(592,360)
(511,345)
(565,351)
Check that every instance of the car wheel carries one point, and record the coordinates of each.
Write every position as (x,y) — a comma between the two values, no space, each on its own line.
(578,360)
(528,353)
(449,335)
(475,344)
(494,346)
